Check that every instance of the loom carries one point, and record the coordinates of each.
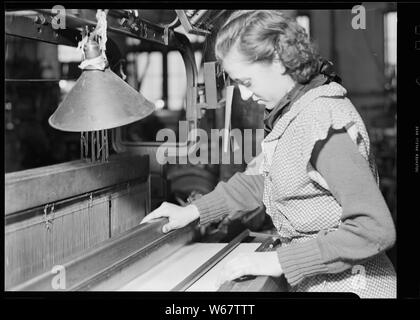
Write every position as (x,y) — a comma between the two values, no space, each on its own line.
(82,219)
(75,225)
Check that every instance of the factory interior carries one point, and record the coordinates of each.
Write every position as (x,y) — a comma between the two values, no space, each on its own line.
(76,188)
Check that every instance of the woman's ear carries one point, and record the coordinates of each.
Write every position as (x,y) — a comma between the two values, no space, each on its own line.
(279,66)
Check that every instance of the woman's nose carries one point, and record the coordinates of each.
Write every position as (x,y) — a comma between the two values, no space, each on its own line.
(245,92)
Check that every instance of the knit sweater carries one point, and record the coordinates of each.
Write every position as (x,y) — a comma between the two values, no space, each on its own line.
(366,227)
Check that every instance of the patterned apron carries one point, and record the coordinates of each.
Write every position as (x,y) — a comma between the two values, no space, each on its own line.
(297,197)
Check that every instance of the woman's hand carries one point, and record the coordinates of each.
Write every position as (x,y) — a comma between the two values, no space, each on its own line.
(178,216)
(254,263)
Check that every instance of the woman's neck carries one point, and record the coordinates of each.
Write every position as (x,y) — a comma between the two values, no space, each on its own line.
(288,85)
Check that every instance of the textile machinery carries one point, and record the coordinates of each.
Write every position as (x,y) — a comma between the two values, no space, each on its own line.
(75,225)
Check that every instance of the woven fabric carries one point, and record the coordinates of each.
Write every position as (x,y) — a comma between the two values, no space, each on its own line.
(297,197)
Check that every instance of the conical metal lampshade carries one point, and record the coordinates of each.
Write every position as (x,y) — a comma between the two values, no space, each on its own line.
(100,100)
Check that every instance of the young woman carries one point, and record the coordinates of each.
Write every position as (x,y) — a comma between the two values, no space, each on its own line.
(315,174)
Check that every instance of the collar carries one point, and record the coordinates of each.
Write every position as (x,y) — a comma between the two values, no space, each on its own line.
(325,75)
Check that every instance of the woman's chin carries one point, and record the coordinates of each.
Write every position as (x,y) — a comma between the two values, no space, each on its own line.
(267,105)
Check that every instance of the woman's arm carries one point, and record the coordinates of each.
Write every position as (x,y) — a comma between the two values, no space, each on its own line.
(242,193)
(366,227)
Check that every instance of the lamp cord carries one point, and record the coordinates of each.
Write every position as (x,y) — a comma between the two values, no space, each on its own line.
(99,33)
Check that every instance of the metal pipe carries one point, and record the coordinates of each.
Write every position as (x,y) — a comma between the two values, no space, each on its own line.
(92,144)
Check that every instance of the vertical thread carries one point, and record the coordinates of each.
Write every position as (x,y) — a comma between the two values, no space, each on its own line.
(81,145)
(93,146)
(106,145)
(103,145)
(110,216)
(98,145)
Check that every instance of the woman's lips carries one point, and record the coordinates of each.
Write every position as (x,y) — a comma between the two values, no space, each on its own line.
(258,100)
(267,104)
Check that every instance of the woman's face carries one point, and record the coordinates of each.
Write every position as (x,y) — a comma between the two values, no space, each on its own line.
(265,82)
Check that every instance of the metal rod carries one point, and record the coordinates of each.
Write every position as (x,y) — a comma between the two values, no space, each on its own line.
(105,143)
(98,145)
(197,16)
(106,146)
(84,137)
(204,268)
(87,144)
(81,145)
(101,148)
(93,146)
(36,80)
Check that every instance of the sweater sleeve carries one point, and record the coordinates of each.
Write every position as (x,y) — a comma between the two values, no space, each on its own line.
(242,193)
(366,227)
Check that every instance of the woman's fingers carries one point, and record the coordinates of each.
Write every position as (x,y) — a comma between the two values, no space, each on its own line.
(253,264)
(234,268)
(230,274)
(157,213)
(168,227)
(151,216)
(178,216)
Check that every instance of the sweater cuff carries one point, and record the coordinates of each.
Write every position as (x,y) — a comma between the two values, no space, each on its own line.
(212,207)
(301,260)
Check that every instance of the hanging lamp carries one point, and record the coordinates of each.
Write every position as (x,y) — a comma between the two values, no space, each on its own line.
(100,99)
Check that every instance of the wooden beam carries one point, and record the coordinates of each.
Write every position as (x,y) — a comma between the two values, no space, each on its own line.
(36,187)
